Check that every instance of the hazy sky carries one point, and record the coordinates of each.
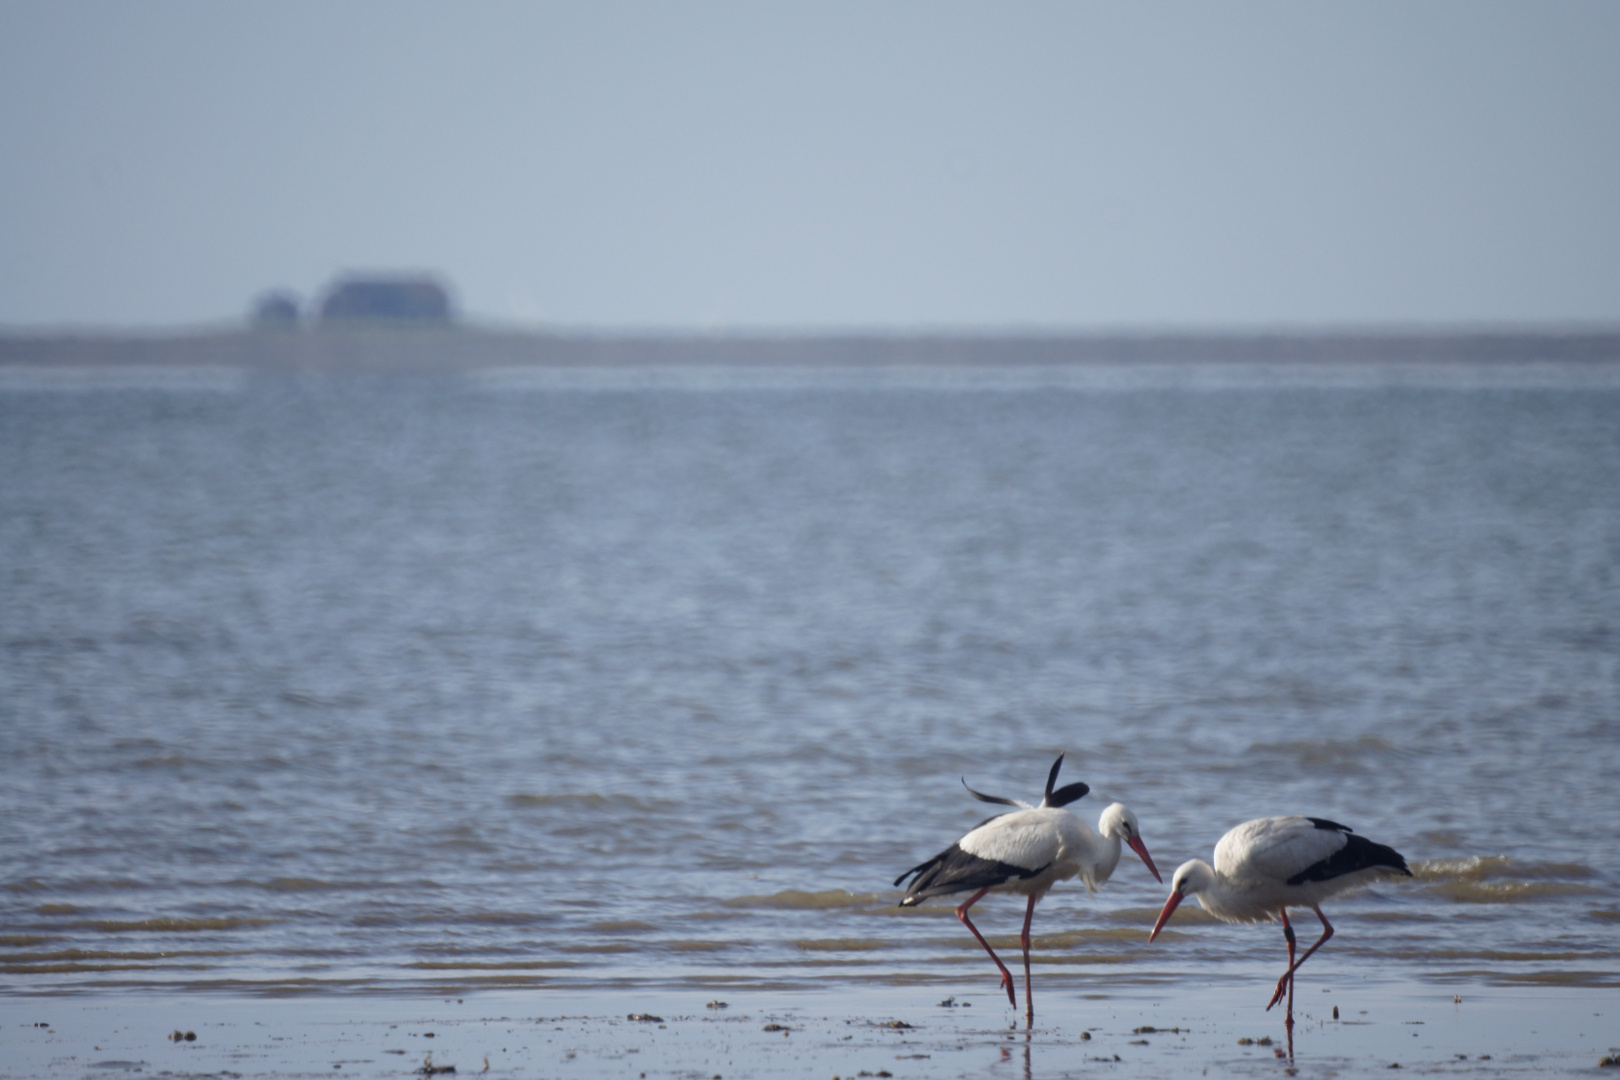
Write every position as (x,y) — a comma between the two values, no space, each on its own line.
(817,165)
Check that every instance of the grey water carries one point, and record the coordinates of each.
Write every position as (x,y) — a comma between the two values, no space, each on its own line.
(587,679)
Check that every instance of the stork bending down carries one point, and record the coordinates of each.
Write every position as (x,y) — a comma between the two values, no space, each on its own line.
(1264,867)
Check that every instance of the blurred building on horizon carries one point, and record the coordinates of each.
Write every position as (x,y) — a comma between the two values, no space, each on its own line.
(393,298)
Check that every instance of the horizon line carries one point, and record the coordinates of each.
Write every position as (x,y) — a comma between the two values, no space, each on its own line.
(1392,329)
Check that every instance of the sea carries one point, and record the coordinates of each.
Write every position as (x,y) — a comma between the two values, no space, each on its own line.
(553,680)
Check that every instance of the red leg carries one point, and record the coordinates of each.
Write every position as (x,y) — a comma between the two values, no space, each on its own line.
(1288,1020)
(1286,983)
(1293,965)
(1006,976)
(1327,932)
(1029,993)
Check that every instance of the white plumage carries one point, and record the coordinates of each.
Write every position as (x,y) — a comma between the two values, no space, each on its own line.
(1059,841)
(1027,852)
(1266,866)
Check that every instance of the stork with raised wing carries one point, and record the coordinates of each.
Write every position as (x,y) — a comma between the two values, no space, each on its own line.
(1026,852)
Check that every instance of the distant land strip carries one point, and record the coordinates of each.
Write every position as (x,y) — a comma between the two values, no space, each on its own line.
(383,347)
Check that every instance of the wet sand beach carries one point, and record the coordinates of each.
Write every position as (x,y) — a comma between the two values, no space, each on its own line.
(1191,1029)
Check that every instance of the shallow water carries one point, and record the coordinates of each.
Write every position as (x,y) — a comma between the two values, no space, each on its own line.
(658,678)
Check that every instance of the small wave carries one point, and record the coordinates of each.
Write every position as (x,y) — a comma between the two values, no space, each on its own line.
(290,884)
(172,926)
(799,900)
(394,918)
(1508,892)
(163,761)
(1188,914)
(1510,956)
(588,801)
(1485,867)
(498,918)
(72,968)
(1546,978)
(1497,879)
(79,885)
(524,800)
(1402,915)
(697,946)
(840,944)
(64,955)
(1074,939)
(1135,916)
(489,965)
(306,700)
(1353,754)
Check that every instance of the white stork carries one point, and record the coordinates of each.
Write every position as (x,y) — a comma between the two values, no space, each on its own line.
(1027,852)
(1266,866)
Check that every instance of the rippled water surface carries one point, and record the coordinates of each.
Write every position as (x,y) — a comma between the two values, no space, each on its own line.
(604,680)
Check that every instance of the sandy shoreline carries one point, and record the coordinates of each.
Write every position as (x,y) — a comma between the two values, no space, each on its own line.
(898,1032)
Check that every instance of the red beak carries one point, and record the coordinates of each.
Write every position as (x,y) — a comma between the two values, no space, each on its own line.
(1141,849)
(1164,916)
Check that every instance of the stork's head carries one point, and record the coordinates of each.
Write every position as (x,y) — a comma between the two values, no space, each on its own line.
(1190,878)
(1119,821)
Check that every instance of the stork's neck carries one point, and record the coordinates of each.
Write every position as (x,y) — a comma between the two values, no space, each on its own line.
(1107,857)
(1112,828)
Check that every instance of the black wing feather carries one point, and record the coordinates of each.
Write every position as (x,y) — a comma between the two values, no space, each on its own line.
(1067,794)
(1358,853)
(919,868)
(1051,778)
(954,870)
(1324,823)
(982,797)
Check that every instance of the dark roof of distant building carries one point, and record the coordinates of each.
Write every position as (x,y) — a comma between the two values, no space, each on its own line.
(386,297)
